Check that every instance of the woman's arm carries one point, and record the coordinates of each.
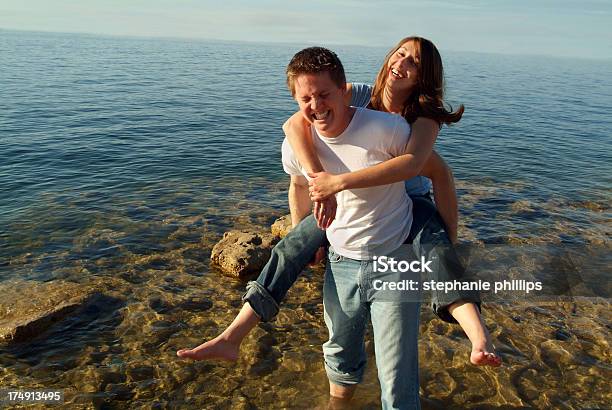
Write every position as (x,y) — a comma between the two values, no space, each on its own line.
(422,138)
(445,195)
(298,133)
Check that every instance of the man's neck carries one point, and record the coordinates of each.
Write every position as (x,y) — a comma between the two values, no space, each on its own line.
(347,116)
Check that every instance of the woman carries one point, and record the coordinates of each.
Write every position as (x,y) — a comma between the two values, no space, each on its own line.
(409,83)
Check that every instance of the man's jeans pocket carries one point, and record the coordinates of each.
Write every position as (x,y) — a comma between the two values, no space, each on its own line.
(333,256)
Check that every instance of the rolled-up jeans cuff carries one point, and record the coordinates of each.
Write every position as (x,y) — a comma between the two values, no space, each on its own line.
(441,310)
(344,379)
(261,301)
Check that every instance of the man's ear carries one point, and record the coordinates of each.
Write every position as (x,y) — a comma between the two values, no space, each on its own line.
(347,93)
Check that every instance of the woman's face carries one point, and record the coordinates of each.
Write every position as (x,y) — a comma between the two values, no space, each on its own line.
(403,67)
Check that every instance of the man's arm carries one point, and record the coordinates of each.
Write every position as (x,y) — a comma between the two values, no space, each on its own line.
(444,192)
(299,202)
(299,205)
(423,136)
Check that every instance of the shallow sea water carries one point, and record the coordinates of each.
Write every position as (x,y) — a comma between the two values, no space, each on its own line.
(123,161)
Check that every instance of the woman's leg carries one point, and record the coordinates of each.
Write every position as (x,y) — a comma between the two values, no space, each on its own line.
(226,346)
(469,318)
(430,239)
(289,257)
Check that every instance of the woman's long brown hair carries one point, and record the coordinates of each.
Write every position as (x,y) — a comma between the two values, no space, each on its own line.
(427,98)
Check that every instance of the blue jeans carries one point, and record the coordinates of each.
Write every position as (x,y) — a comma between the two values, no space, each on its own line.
(430,240)
(288,259)
(395,325)
(291,255)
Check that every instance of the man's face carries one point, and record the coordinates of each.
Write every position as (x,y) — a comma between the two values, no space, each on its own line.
(321,102)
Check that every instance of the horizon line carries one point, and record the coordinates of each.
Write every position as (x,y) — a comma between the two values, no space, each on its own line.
(208,39)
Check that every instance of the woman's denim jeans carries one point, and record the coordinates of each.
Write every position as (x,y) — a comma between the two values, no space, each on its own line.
(293,253)
(430,240)
(289,257)
(347,309)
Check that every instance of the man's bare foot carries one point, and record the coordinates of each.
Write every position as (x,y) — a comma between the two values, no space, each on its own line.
(485,356)
(219,348)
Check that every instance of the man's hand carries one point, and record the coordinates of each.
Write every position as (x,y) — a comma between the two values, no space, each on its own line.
(319,256)
(323,185)
(325,212)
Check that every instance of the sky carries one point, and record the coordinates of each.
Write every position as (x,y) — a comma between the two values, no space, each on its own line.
(567,28)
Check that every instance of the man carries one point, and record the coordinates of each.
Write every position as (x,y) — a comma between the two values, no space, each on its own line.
(370,222)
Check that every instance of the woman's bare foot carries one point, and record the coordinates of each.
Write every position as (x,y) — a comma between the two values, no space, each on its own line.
(219,348)
(484,355)
(472,323)
(226,346)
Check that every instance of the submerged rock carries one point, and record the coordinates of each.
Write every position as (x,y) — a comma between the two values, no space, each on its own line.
(241,253)
(141,373)
(29,308)
(293,361)
(556,353)
(196,304)
(281,226)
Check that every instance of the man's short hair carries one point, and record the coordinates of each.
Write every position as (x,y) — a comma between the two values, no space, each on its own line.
(314,60)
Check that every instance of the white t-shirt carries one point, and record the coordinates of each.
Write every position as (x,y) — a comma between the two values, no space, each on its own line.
(360,97)
(370,221)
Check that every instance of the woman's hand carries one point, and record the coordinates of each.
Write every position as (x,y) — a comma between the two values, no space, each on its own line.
(318,256)
(323,185)
(325,212)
